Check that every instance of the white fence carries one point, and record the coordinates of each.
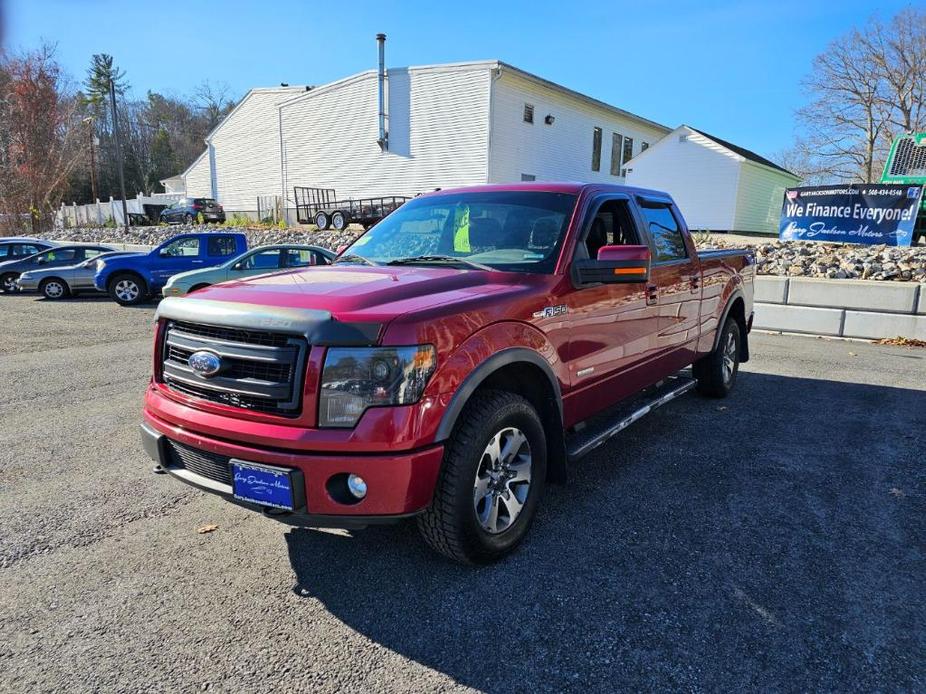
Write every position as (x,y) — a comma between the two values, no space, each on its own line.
(100,213)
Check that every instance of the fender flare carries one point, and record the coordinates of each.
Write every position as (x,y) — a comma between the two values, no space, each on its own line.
(736,294)
(482,372)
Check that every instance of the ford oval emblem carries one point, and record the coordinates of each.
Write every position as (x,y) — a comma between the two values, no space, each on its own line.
(205,363)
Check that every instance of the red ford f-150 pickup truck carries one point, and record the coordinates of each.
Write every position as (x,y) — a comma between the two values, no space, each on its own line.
(453,360)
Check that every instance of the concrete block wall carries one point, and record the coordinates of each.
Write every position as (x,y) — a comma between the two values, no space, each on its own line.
(841,308)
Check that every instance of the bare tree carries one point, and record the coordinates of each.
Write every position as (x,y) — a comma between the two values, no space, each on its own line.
(846,117)
(41,127)
(898,52)
(214,102)
(866,88)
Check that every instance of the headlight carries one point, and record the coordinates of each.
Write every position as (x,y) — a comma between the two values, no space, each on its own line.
(355,378)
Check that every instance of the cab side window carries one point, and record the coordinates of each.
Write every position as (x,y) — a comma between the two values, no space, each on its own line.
(182,247)
(612,225)
(665,230)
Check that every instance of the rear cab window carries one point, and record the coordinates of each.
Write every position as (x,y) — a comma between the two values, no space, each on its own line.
(668,240)
(222,246)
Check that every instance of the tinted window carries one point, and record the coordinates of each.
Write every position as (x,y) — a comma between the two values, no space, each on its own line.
(596,149)
(92,252)
(612,225)
(222,245)
(617,144)
(667,237)
(57,255)
(265,260)
(301,258)
(5,250)
(26,249)
(182,247)
(520,231)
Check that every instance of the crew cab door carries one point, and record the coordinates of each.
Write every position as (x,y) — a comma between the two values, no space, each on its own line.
(179,255)
(674,284)
(612,327)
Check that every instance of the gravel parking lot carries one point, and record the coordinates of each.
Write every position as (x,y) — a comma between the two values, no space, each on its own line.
(774,541)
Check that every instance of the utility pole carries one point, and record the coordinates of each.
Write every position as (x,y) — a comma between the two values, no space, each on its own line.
(89,121)
(118,134)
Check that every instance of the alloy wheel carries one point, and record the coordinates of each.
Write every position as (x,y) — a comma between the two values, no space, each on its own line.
(503,480)
(127,290)
(729,358)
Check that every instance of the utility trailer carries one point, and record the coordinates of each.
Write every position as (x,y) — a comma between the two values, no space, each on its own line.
(906,163)
(321,207)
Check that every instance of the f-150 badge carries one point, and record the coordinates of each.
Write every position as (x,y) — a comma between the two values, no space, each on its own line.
(551,311)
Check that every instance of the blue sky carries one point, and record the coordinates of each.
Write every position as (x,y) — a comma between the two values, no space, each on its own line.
(732,69)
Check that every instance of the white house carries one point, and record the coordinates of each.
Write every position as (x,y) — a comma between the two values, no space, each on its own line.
(446,125)
(717,185)
(173,184)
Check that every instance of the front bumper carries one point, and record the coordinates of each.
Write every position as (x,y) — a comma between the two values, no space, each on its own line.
(399,484)
(27,284)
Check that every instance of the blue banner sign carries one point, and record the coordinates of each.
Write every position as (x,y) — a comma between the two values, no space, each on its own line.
(865,213)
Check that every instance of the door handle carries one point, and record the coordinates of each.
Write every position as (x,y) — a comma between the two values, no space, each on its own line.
(652,294)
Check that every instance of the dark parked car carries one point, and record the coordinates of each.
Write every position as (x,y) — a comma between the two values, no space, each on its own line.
(57,256)
(12,248)
(188,210)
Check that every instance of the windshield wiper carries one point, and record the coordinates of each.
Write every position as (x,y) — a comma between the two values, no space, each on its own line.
(353,258)
(439,259)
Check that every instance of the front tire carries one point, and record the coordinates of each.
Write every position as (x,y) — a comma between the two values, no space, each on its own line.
(322,221)
(340,220)
(128,289)
(491,480)
(716,372)
(53,289)
(8,283)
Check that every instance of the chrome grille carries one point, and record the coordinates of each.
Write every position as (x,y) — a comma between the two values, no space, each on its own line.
(260,371)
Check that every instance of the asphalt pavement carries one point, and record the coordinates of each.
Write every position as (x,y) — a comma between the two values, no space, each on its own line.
(771,541)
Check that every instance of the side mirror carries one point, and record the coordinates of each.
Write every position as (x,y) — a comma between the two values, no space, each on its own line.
(615,264)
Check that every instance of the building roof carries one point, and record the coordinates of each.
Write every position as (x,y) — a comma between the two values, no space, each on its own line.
(743,152)
(486,64)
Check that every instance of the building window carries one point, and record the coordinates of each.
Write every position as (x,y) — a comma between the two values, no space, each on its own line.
(628,153)
(644,146)
(528,177)
(596,149)
(528,113)
(617,144)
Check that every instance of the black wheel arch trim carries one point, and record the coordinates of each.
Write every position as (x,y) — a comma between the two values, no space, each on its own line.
(482,372)
(744,338)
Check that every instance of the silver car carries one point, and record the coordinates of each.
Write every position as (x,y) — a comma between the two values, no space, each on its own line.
(61,282)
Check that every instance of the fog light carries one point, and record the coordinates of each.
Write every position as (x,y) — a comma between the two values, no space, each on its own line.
(357,486)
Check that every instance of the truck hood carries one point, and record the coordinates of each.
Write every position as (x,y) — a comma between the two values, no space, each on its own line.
(369,294)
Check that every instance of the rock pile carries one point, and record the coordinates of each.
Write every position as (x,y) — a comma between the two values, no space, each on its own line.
(785,258)
(837,261)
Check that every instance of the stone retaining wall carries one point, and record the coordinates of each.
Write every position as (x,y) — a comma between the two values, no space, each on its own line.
(859,308)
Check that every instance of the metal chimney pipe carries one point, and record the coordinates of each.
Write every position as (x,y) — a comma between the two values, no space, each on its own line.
(383,140)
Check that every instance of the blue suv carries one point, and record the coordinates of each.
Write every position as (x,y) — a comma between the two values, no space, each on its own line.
(132,279)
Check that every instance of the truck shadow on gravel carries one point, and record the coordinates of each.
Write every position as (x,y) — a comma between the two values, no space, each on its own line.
(771,539)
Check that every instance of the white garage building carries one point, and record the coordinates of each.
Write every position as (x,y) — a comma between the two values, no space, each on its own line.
(717,185)
(446,125)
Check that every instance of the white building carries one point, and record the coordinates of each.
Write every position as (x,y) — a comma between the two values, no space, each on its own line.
(447,125)
(717,185)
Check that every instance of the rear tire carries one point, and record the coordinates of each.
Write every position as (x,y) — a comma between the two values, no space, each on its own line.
(53,289)
(340,220)
(322,221)
(127,289)
(716,372)
(491,480)
(8,283)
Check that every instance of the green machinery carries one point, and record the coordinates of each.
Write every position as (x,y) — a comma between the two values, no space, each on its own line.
(906,164)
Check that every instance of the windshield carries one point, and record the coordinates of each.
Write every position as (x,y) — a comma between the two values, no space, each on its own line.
(519,231)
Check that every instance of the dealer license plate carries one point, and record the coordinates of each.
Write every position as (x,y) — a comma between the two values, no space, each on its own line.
(264,484)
